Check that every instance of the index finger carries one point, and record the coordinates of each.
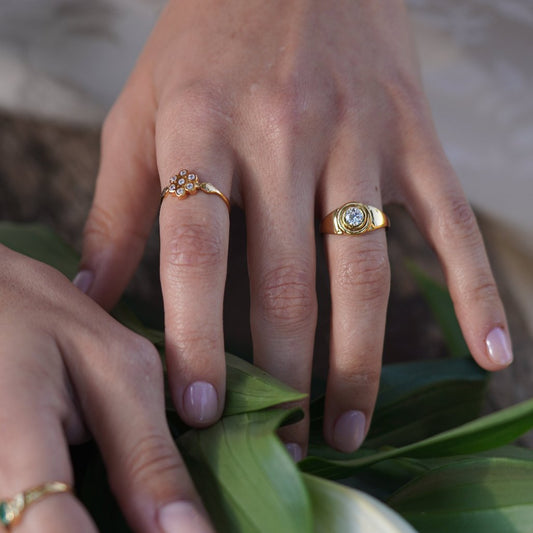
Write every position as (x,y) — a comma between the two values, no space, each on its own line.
(194,228)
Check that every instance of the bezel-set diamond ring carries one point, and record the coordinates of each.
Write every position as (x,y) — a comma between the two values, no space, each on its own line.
(354,218)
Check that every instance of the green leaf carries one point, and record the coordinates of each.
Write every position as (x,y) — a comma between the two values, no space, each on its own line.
(491,431)
(441,305)
(247,480)
(482,495)
(423,398)
(417,400)
(251,389)
(383,479)
(342,510)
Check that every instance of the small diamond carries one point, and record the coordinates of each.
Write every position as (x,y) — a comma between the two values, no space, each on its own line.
(181,181)
(183,172)
(172,188)
(173,179)
(191,177)
(353,216)
(180,191)
(189,186)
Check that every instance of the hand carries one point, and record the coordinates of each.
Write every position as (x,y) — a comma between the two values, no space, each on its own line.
(293,108)
(67,369)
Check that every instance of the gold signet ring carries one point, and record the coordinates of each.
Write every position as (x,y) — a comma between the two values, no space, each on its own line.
(354,218)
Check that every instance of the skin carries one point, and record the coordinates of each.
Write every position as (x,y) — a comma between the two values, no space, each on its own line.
(291,108)
(67,371)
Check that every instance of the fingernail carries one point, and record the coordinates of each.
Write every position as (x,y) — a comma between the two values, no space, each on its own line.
(182,517)
(83,280)
(200,402)
(295,451)
(499,347)
(349,431)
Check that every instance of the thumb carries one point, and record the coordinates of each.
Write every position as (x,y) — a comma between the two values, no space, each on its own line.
(125,202)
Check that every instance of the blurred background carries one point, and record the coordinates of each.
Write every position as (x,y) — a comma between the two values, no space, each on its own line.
(63,62)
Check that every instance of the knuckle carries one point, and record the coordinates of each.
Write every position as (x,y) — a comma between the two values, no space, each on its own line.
(198,105)
(483,291)
(102,226)
(459,222)
(288,110)
(404,94)
(362,379)
(367,275)
(201,344)
(140,358)
(287,295)
(99,225)
(194,246)
(150,459)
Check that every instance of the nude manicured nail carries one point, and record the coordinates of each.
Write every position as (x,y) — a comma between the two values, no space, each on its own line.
(200,402)
(295,451)
(499,347)
(182,517)
(349,431)
(83,280)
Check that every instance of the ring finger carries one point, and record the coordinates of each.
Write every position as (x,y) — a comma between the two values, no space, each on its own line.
(359,284)
(34,450)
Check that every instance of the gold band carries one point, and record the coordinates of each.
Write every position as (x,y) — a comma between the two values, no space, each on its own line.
(185,183)
(354,218)
(11,510)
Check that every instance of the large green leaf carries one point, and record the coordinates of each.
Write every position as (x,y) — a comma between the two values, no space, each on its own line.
(340,509)
(481,495)
(423,398)
(247,480)
(417,400)
(491,431)
(441,305)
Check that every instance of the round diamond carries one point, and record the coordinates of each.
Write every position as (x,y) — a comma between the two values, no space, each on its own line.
(180,191)
(173,179)
(181,181)
(354,216)
(183,172)
(191,177)
(172,188)
(189,186)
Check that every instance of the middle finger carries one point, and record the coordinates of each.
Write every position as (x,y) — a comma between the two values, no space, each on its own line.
(281,255)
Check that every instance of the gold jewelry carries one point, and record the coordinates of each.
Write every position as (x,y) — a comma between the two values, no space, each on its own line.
(354,218)
(186,183)
(11,510)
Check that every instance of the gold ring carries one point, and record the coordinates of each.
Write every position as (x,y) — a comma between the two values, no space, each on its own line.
(354,218)
(185,183)
(11,510)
